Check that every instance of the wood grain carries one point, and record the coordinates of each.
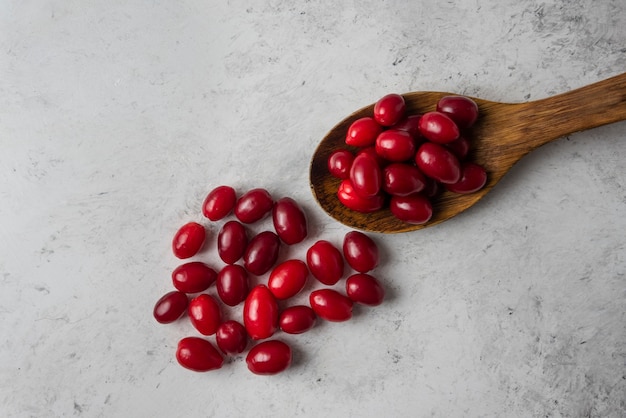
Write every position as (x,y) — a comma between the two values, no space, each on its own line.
(504,133)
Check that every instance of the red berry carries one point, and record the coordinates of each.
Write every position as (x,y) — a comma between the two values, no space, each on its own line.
(188,240)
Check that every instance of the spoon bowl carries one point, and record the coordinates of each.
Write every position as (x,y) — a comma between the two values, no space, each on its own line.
(503,134)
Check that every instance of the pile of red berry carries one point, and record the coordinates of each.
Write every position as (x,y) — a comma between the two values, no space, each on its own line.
(251,275)
(406,159)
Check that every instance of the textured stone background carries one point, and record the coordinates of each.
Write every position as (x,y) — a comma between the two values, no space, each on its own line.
(117,117)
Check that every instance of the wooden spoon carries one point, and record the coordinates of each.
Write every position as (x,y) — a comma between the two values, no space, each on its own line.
(503,134)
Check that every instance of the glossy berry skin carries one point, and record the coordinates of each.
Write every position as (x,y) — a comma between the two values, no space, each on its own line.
(331,305)
(413,209)
(410,124)
(360,251)
(371,151)
(269,357)
(402,179)
(232,241)
(325,262)
(260,313)
(462,110)
(438,162)
(366,175)
(232,284)
(297,319)
(253,206)
(188,240)
(365,289)
(170,307)
(198,354)
(339,163)
(473,178)
(288,279)
(261,253)
(289,221)
(193,277)
(219,203)
(231,337)
(395,145)
(363,132)
(438,127)
(204,313)
(389,109)
(352,200)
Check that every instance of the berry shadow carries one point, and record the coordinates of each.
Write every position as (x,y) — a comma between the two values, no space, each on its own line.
(298,356)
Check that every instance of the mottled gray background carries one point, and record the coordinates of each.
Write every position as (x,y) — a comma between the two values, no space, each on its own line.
(117,117)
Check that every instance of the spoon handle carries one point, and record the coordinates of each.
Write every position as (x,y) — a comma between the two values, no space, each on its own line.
(588,107)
